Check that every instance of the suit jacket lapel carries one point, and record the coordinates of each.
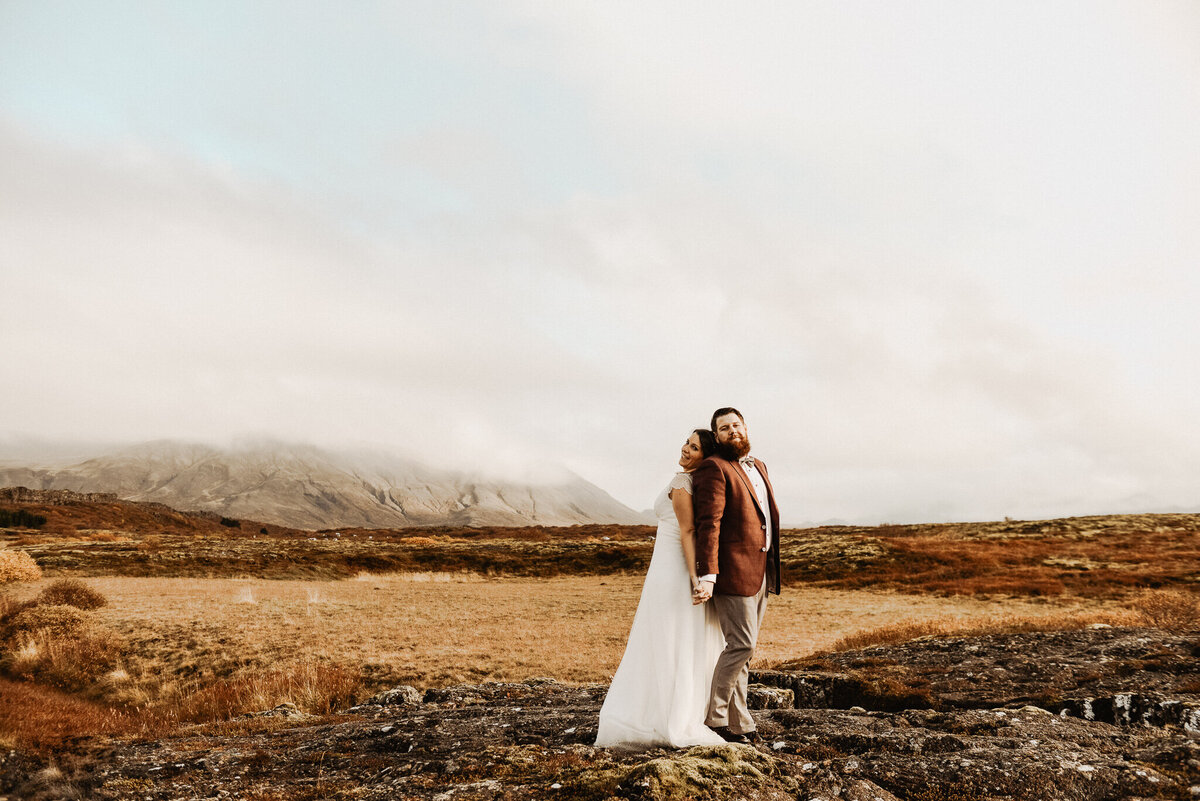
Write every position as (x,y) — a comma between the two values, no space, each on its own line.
(770,490)
(750,487)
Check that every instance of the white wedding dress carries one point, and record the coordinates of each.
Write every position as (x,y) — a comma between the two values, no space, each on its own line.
(659,694)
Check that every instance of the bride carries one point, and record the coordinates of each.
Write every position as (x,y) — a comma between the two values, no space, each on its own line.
(659,693)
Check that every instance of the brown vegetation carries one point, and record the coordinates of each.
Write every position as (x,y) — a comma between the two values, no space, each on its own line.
(56,640)
(18,566)
(1170,610)
(989,624)
(192,632)
(1097,557)
(956,719)
(42,719)
(69,659)
(195,650)
(313,688)
(74,666)
(71,592)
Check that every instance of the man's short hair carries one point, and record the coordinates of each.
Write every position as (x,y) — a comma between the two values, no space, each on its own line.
(724,410)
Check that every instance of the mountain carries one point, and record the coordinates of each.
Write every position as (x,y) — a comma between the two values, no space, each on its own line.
(304,487)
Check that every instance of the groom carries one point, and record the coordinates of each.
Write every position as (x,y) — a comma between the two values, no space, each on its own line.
(737,559)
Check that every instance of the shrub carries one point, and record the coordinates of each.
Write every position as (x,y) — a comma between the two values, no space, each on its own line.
(18,566)
(10,608)
(70,660)
(20,519)
(313,687)
(151,543)
(71,592)
(229,522)
(104,536)
(60,646)
(1170,610)
(58,619)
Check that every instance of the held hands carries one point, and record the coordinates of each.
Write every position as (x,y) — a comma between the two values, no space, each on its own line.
(701,590)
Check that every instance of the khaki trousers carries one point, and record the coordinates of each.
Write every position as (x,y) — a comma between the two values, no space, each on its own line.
(740,618)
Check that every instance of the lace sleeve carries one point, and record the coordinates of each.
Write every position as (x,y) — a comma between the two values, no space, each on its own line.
(681,481)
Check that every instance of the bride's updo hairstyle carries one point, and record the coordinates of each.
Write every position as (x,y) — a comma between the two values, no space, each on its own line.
(708,442)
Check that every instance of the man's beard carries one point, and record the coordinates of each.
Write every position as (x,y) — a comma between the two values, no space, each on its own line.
(733,450)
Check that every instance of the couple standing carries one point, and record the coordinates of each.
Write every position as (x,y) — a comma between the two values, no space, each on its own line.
(683,678)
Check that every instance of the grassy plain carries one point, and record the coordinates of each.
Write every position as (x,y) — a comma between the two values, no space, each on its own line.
(433,629)
(210,618)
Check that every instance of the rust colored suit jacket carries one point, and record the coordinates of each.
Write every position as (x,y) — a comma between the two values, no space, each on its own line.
(730,528)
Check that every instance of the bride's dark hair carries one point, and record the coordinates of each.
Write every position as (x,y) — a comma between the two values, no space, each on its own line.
(708,442)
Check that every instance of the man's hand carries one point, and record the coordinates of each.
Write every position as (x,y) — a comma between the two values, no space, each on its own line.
(702,591)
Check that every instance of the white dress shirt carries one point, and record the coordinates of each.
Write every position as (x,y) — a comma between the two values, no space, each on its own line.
(760,491)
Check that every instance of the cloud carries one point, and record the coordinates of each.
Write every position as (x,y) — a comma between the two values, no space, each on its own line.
(940,255)
(187,303)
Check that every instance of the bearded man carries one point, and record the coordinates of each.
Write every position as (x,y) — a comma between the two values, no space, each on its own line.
(737,558)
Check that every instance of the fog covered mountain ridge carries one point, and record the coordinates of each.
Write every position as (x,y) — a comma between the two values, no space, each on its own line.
(303,486)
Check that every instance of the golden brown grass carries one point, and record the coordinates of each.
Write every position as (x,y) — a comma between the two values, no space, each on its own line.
(1170,610)
(209,649)
(151,543)
(431,629)
(71,592)
(496,604)
(58,646)
(985,624)
(419,541)
(312,687)
(39,718)
(17,566)
(1101,557)
(68,661)
(103,536)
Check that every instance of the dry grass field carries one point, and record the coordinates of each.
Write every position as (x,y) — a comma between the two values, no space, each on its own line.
(1105,557)
(436,629)
(208,649)
(207,619)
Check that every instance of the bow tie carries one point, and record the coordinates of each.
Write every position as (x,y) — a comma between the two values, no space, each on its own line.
(746,461)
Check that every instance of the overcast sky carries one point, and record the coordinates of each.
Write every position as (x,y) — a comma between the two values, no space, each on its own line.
(943,255)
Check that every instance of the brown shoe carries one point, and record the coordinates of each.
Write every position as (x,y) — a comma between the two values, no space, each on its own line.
(731,737)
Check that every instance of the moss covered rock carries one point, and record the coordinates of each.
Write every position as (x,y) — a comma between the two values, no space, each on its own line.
(707,771)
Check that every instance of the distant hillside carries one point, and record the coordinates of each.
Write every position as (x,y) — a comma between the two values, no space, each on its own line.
(305,487)
(1106,556)
(68,513)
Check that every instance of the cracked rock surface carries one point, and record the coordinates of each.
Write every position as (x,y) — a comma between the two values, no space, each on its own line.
(961,738)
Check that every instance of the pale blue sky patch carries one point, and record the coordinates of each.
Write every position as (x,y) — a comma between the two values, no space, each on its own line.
(323,97)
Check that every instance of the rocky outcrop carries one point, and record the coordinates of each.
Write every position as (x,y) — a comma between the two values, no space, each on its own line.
(1119,675)
(52,497)
(532,740)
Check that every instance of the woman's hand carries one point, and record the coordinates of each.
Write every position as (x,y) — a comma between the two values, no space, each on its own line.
(697,591)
